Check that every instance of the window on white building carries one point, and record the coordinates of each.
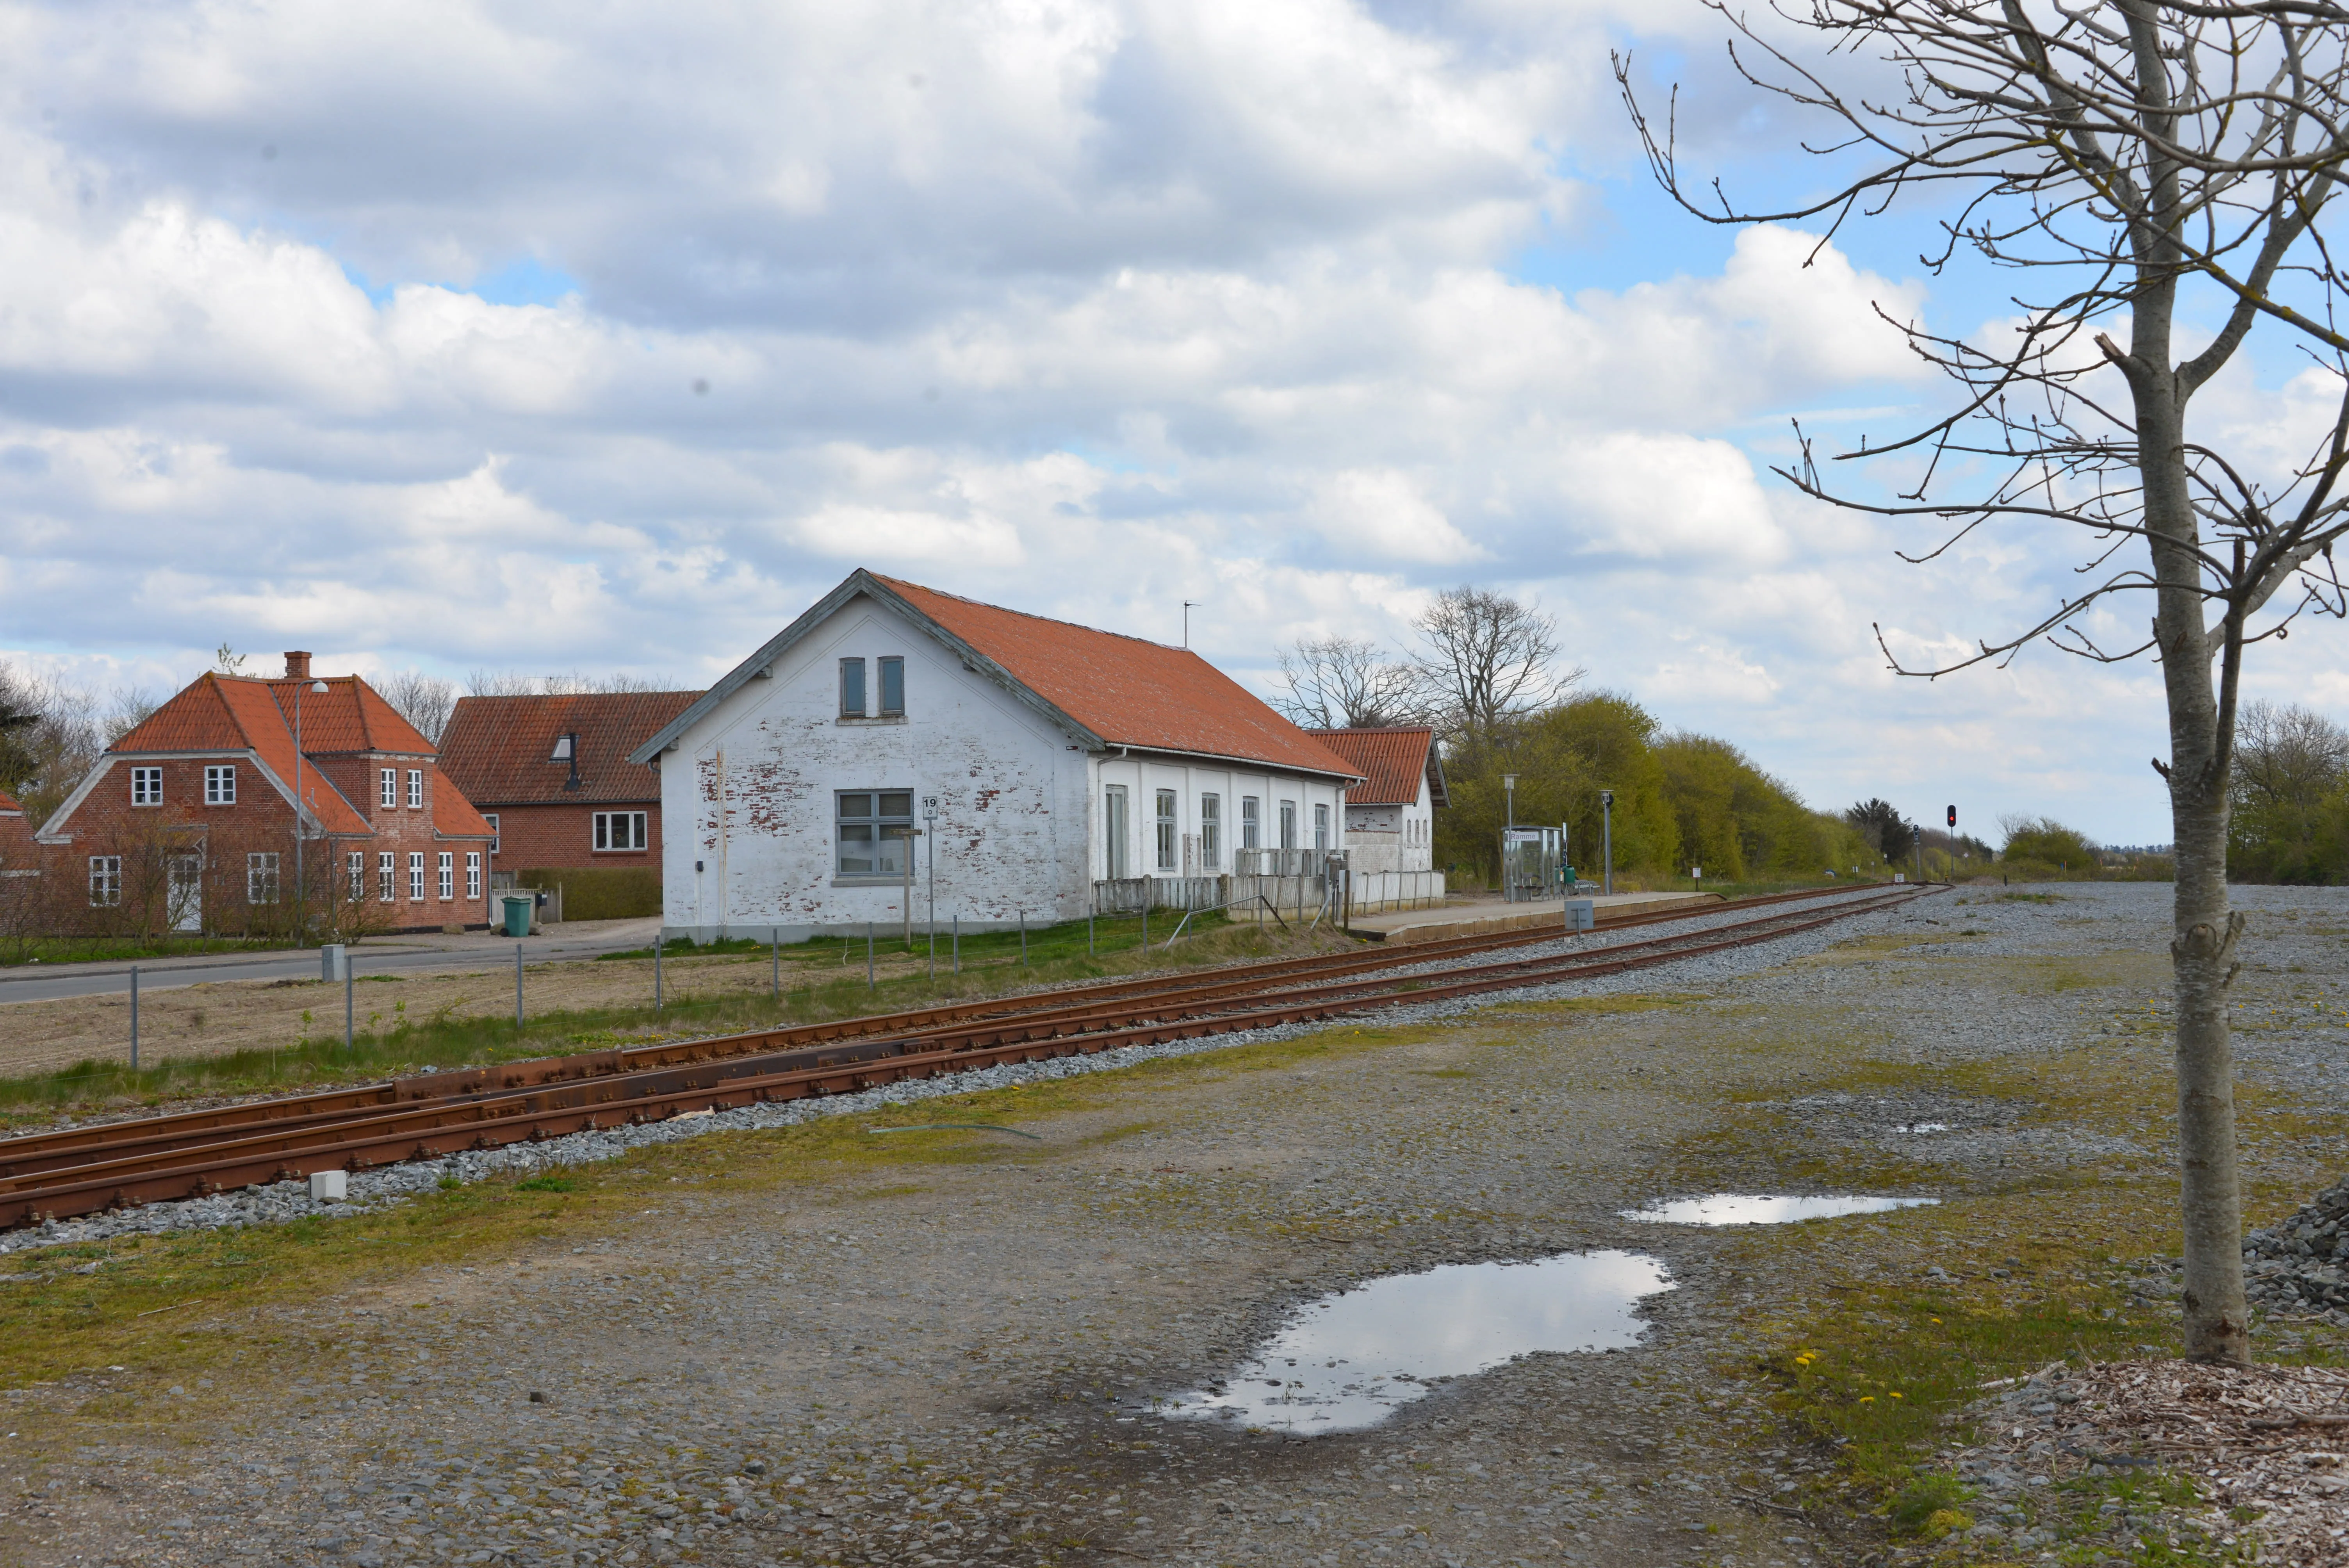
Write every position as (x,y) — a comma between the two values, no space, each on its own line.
(106,879)
(472,874)
(621,830)
(387,876)
(1251,829)
(892,687)
(448,875)
(416,788)
(390,782)
(1113,832)
(261,877)
(1211,831)
(1166,826)
(416,876)
(1289,824)
(220,785)
(1321,827)
(146,786)
(852,688)
(875,827)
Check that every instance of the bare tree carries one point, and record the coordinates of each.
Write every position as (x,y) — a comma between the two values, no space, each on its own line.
(2288,755)
(510,683)
(1344,683)
(425,701)
(2122,152)
(1488,658)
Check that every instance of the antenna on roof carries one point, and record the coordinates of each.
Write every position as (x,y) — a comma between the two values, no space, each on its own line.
(1188,605)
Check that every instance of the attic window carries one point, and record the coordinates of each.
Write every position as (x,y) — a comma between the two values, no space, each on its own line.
(563,746)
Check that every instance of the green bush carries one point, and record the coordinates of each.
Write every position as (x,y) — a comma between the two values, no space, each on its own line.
(600,893)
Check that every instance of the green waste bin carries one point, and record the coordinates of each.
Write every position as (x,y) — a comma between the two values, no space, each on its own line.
(518,908)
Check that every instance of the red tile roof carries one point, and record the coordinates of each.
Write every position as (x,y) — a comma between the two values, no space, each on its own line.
(1397,759)
(1128,691)
(499,749)
(8,806)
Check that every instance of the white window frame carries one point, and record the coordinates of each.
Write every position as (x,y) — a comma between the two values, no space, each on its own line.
(625,832)
(1167,828)
(472,874)
(357,866)
(416,788)
(220,784)
(1251,822)
(105,880)
(416,876)
(387,877)
(147,786)
(491,818)
(262,883)
(1211,831)
(1289,824)
(1320,826)
(448,879)
(390,789)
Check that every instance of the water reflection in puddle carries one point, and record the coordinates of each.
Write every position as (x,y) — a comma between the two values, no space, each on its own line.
(1732,1209)
(1346,1361)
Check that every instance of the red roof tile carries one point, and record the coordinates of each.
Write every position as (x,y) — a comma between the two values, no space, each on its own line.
(1397,759)
(8,806)
(499,749)
(1128,691)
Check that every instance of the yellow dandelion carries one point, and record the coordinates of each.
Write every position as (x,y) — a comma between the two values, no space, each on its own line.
(1868,1399)
(1896,1393)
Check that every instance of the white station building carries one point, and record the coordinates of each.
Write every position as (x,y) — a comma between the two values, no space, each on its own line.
(897,753)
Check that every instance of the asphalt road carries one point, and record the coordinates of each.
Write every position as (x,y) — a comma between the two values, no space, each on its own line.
(46,983)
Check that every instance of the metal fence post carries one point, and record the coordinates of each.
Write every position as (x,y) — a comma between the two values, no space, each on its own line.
(1023,939)
(775,941)
(517,987)
(346,999)
(957,943)
(1091,950)
(657,973)
(869,983)
(134,1018)
(1146,921)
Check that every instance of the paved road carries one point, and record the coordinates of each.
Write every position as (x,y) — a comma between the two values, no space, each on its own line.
(46,983)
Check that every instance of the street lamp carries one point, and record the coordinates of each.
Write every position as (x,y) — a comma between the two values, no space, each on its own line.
(1607,841)
(930,816)
(1509,784)
(301,912)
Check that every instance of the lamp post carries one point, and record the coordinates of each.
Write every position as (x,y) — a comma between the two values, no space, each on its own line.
(301,888)
(930,816)
(1508,872)
(1607,841)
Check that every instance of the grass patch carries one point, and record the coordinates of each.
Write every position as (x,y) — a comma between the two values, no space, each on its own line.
(101,949)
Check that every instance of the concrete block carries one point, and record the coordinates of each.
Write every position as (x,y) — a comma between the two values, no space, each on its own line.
(329,1186)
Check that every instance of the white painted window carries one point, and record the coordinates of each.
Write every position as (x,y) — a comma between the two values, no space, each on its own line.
(106,879)
(261,877)
(621,830)
(1321,827)
(1289,824)
(220,784)
(146,786)
(447,874)
(358,869)
(491,818)
(387,876)
(892,687)
(1166,830)
(472,874)
(1211,831)
(1251,828)
(852,688)
(1113,831)
(873,828)
(390,782)
(416,876)
(416,788)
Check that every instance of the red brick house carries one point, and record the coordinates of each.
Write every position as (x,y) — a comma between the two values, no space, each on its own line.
(190,822)
(17,852)
(552,777)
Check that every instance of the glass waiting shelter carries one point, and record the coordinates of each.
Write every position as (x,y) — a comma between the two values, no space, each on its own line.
(1533,865)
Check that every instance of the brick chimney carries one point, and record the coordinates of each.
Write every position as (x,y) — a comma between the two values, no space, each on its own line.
(297,666)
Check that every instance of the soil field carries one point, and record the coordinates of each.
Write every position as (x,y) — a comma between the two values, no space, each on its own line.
(816,1345)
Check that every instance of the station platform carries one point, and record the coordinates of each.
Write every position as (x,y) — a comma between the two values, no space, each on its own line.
(1493,915)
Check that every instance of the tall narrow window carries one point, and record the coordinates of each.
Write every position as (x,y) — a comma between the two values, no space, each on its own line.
(1166,826)
(106,879)
(416,876)
(1251,829)
(852,688)
(892,687)
(491,818)
(1321,827)
(448,875)
(387,876)
(472,874)
(261,877)
(146,786)
(874,826)
(1289,824)
(356,867)
(390,781)
(1113,832)
(416,788)
(1211,831)
(220,785)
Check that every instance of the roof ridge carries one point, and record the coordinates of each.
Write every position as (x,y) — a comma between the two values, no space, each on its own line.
(1048,619)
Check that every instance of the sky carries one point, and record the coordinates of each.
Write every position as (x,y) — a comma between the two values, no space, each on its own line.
(491,335)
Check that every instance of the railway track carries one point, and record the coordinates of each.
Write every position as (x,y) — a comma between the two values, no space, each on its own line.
(188,1154)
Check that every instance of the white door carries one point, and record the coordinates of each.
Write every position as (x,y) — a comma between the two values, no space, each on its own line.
(187,892)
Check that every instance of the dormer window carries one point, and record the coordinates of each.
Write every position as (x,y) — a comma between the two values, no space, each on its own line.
(565,745)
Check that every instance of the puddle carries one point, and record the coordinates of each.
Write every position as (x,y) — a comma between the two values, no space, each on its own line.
(1348,1360)
(1731,1209)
